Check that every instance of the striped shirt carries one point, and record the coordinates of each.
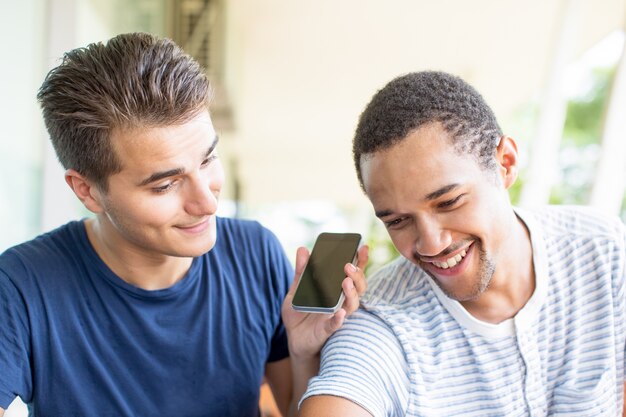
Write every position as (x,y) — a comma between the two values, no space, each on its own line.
(413,351)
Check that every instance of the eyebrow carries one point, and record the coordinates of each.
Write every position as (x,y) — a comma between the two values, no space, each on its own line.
(157,176)
(429,197)
(443,190)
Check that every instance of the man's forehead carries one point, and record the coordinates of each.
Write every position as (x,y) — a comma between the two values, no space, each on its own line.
(416,169)
(147,144)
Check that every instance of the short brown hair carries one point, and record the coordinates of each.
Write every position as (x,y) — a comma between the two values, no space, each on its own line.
(134,80)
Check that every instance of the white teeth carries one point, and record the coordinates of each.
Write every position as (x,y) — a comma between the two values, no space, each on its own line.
(450,262)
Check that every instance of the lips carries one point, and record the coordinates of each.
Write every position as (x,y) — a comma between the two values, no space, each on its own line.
(451,264)
(195,228)
(452,261)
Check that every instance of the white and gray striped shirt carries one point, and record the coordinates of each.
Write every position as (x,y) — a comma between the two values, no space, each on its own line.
(413,351)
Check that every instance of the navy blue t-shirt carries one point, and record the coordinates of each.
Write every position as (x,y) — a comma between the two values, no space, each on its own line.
(76,340)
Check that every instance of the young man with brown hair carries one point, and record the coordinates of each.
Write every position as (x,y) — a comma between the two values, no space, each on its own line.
(155,306)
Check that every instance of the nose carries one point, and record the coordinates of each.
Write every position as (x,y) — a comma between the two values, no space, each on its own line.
(201,199)
(431,238)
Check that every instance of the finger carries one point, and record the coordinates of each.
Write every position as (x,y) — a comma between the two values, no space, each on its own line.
(336,321)
(357,273)
(302,257)
(351,301)
(362,256)
(358,278)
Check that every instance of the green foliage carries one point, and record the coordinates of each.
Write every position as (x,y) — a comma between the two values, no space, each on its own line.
(516,189)
(585,114)
(582,134)
(382,250)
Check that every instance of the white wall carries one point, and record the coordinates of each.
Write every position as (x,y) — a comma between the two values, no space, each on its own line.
(21,50)
(71,24)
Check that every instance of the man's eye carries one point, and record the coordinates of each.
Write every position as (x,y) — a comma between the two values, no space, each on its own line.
(394,222)
(450,203)
(163,188)
(208,160)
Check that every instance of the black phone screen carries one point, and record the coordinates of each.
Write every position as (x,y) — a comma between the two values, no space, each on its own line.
(320,284)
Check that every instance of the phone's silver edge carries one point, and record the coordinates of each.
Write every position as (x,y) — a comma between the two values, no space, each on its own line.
(322,310)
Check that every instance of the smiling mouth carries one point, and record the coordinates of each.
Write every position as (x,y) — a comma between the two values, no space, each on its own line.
(450,262)
(194,226)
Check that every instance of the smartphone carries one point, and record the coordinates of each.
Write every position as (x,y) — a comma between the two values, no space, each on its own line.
(319,289)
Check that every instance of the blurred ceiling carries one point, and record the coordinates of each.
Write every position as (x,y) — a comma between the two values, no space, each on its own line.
(298,74)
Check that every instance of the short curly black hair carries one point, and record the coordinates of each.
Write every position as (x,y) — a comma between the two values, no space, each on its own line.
(414,100)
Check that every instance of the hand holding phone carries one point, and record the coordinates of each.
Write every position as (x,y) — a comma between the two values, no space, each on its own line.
(319,288)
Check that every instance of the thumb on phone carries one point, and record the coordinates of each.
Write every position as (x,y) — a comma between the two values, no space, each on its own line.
(302,257)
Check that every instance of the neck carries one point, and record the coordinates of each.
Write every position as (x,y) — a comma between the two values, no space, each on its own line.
(513,282)
(135,265)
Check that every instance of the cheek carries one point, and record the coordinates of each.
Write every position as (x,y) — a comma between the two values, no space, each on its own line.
(403,242)
(482,222)
(153,210)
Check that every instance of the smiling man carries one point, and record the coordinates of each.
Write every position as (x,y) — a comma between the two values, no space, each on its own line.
(491,310)
(154,306)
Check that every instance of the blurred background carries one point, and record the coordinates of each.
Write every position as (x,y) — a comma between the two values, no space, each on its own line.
(292,76)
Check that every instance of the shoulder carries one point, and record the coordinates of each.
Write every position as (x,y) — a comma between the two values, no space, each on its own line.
(573,221)
(395,283)
(247,245)
(42,266)
(363,334)
(369,342)
(575,234)
(361,362)
(241,230)
(401,299)
(579,249)
(249,237)
(240,227)
(45,250)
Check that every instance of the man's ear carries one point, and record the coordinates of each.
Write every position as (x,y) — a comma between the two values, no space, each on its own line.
(507,160)
(87,192)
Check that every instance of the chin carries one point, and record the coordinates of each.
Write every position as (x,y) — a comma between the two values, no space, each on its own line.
(460,295)
(189,252)
(200,248)
(205,246)
(194,245)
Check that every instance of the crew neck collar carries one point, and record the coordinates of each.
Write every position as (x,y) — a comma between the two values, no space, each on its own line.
(527,315)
